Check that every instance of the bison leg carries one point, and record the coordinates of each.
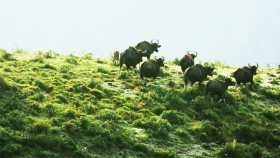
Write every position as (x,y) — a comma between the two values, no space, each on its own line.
(186,83)
(252,85)
(121,64)
(222,98)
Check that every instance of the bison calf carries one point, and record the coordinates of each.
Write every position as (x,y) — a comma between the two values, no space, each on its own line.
(215,87)
(197,73)
(116,57)
(246,74)
(150,68)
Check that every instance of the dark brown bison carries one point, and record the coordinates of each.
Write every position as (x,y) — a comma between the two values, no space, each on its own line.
(197,73)
(245,74)
(187,60)
(130,57)
(148,47)
(116,57)
(216,87)
(150,68)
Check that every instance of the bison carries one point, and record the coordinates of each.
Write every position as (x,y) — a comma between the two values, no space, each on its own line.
(116,57)
(245,74)
(148,47)
(197,73)
(150,68)
(187,60)
(130,57)
(216,87)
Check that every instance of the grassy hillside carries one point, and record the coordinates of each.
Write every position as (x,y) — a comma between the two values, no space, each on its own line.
(67,106)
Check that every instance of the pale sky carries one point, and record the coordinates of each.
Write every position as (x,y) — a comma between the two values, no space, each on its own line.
(236,32)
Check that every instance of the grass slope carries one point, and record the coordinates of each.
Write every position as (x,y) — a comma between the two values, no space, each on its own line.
(67,106)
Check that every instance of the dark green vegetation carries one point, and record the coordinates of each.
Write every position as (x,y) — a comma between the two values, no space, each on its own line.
(67,106)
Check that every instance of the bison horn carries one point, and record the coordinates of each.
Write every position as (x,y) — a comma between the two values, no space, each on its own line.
(257,65)
(157,42)
(206,64)
(249,65)
(153,42)
(195,54)
(162,58)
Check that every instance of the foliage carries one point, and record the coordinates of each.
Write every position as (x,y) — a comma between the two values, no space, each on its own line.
(69,106)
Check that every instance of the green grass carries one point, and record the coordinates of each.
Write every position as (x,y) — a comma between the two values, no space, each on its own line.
(69,106)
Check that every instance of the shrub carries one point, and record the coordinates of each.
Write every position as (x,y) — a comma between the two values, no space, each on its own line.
(106,114)
(174,117)
(154,125)
(11,149)
(234,150)
(176,61)
(42,85)
(62,98)
(79,87)
(71,127)
(5,56)
(4,85)
(38,96)
(88,56)
(48,66)
(50,54)
(260,135)
(102,70)
(162,153)
(99,94)
(65,68)
(94,83)
(39,57)
(41,126)
(71,59)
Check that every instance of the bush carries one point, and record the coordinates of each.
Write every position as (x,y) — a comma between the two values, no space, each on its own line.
(154,125)
(72,127)
(42,85)
(79,87)
(234,150)
(11,149)
(174,117)
(62,98)
(99,94)
(71,59)
(41,126)
(88,56)
(5,56)
(176,61)
(48,66)
(4,85)
(106,114)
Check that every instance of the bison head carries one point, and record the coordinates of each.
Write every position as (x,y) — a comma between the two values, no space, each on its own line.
(160,61)
(209,69)
(193,55)
(155,45)
(229,81)
(253,68)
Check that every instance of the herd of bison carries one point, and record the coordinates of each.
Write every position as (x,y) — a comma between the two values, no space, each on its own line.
(191,72)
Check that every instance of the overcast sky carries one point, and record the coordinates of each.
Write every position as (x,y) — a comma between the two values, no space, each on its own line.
(236,32)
